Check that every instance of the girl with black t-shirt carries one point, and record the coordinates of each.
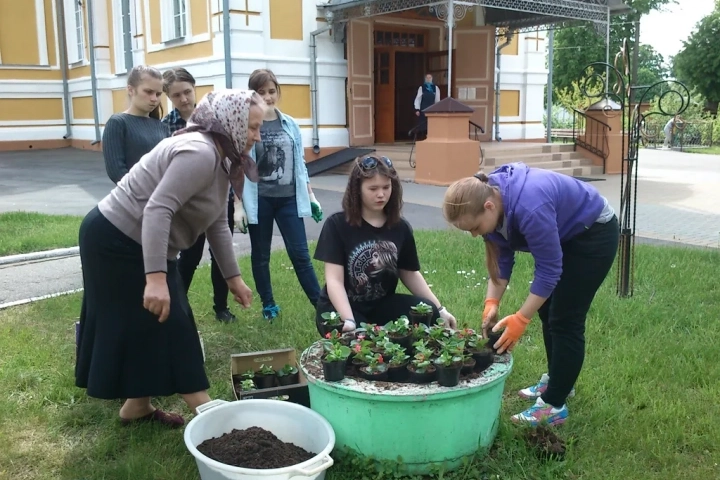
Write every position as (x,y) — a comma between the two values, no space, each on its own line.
(367,248)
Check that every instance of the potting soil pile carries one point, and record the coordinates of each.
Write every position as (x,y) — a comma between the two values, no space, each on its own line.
(254,448)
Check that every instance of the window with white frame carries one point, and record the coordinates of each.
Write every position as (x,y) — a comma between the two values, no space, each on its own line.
(175,20)
(124,28)
(79,30)
(75,30)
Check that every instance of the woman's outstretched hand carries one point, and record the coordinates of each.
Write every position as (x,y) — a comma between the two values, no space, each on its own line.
(156,298)
(448,318)
(490,315)
(514,326)
(349,326)
(241,292)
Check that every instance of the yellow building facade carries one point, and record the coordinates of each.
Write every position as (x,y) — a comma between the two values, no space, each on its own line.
(64,63)
(349,69)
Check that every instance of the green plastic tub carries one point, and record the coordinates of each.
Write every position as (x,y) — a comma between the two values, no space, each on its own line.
(422,425)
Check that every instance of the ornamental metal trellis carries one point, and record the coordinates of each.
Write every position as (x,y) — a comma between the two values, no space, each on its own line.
(613,83)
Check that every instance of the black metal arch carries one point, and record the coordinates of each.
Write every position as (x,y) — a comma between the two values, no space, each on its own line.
(617,85)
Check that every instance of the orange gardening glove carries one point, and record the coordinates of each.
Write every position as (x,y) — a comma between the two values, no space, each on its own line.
(515,326)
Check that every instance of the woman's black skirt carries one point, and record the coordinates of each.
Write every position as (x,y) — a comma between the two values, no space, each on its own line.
(123,351)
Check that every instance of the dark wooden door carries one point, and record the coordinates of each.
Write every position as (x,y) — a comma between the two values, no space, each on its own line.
(384,96)
(409,76)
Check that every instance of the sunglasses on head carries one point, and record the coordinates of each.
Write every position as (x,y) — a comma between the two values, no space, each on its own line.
(368,163)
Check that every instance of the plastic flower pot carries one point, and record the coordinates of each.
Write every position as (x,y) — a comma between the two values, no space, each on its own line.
(375,376)
(398,373)
(420,378)
(483,359)
(333,371)
(425,318)
(493,337)
(358,362)
(404,341)
(264,381)
(448,376)
(290,379)
(468,366)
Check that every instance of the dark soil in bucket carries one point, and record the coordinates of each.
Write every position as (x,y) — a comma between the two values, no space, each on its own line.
(545,443)
(254,448)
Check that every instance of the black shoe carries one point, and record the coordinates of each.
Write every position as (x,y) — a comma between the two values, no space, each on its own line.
(225,316)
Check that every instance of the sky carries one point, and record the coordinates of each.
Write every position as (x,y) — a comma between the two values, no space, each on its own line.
(665,30)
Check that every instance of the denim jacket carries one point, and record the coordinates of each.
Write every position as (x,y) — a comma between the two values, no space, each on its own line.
(250,191)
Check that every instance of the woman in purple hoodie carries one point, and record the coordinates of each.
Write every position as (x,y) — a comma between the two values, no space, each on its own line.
(572,233)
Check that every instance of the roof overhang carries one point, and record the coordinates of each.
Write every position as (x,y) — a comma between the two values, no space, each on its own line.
(513,14)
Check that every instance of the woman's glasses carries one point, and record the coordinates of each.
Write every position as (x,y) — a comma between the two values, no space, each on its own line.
(368,163)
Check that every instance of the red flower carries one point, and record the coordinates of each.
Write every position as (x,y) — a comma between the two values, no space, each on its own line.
(380,359)
(358,348)
(328,335)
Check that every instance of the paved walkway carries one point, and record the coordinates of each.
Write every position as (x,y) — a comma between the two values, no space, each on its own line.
(678,200)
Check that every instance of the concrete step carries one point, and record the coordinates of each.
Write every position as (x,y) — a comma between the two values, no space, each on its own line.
(532,158)
(508,150)
(584,171)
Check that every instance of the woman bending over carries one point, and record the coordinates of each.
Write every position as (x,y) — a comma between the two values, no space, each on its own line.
(572,233)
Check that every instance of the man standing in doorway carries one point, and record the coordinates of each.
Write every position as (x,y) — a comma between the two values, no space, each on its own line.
(428,94)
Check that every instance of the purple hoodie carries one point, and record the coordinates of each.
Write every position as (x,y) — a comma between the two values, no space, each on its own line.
(543,209)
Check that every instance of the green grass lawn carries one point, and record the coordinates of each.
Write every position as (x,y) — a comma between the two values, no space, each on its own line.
(25,232)
(647,404)
(714,150)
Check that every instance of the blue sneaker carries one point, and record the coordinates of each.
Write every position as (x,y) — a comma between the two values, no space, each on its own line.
(534,392)
(270,312)
(542,413)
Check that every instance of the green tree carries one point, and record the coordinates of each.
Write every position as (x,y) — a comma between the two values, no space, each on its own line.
(651,66)
(698,63)
(578,46)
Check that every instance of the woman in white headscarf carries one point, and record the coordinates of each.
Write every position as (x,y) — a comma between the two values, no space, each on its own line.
(137,335)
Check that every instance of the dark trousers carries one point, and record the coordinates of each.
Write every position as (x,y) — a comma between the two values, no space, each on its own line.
(283,211)
(587,259)
(386,310)
(190,259)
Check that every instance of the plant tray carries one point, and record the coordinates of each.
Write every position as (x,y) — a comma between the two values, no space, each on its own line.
(295,393)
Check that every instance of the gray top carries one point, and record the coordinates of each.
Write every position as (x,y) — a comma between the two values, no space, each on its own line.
(174,194)
(126,139)
(275,161)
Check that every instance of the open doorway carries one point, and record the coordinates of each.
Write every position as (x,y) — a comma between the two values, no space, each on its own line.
(398,69)
(410,72)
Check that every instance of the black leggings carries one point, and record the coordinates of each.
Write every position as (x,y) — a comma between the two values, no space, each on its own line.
(587,259)
(386,310)
(190,259)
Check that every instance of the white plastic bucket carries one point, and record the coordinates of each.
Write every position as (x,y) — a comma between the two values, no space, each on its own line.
(289,422)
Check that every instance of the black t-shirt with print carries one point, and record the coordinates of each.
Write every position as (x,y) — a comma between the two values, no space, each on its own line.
(371,257)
